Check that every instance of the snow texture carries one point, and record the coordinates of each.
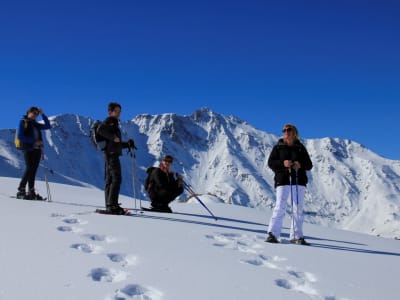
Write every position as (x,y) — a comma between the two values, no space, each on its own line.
(63,250)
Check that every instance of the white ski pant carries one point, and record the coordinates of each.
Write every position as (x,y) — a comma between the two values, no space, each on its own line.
(296,199)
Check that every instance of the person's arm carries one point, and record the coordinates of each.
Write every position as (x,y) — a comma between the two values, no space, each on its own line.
(274,161)
(46,124)
(306,160)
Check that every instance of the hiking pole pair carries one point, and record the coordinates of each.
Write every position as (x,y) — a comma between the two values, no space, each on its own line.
(133,156)
(187,187)
(45,169)
(291,196)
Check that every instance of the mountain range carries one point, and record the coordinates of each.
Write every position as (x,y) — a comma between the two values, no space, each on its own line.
(350,187)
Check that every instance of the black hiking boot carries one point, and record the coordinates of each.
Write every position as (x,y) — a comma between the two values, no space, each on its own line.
(21,194)
(300,241)
(160,208)
(271,238)
(33,196)
(116,210)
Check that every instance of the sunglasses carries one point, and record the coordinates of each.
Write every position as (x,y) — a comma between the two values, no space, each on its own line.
(289,129)
(168,161)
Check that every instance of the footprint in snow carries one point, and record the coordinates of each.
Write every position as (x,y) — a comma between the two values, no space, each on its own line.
(73,221)
(107,275)
(241,242)
(123,259)
(86,248)
(300,282)
(99,238)
(297,286)
(265,261)
(57,215)
(68,229)
(136,291)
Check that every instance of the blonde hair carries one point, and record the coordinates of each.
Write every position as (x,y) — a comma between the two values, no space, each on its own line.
(294,128)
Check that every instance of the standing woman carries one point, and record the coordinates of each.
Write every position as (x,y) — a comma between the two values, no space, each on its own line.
(289,160)
(30,136)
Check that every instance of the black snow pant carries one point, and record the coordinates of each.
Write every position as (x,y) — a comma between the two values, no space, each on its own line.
(163,197)
(32,161)
(113,180)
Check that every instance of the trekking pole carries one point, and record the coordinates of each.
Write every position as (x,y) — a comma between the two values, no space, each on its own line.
(291,196)
(45,176)
(133,156)
(190,190)
(47,183)
(297,195)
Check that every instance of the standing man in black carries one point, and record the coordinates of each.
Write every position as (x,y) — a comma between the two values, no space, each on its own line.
(110,130)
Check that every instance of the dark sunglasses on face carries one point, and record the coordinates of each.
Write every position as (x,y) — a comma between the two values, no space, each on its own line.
(287,129)
(168,161)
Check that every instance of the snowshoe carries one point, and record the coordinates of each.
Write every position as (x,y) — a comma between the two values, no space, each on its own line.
(33,196)
(271,238)
(114,211)
(21,194)
(299,241)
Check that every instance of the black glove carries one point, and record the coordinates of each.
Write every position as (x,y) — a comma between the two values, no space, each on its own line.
(131,144)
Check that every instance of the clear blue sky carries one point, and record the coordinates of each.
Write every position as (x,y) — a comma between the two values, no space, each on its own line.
(330,67)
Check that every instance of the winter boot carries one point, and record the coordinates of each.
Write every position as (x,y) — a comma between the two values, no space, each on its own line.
(33,196)
(160,208)
(300,241)
(271,238)
(21,194)
(117,210)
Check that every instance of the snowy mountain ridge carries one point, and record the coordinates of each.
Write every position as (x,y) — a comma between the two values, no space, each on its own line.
(350,187)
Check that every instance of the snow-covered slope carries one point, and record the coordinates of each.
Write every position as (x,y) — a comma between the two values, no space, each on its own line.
(62,250)
(350,186)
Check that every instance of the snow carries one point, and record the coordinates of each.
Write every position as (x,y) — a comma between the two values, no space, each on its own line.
(63,250)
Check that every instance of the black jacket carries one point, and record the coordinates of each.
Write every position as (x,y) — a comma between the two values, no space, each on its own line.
(109,129)
(163,183)
(297,152)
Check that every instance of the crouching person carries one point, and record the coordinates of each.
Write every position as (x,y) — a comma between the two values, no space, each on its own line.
(163,187)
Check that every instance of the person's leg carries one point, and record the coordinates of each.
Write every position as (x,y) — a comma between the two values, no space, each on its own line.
(276,221)
(108,180)
(298,201)
(114,179)
(25,176)
(36,155)
(160,201)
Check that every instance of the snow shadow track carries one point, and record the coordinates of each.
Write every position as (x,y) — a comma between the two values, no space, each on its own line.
(214,224)
(208,217)
(354,249)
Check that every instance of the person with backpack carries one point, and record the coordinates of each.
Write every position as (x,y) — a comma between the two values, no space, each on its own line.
(162,186)
(29,140)
(289,160)
(109,130)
